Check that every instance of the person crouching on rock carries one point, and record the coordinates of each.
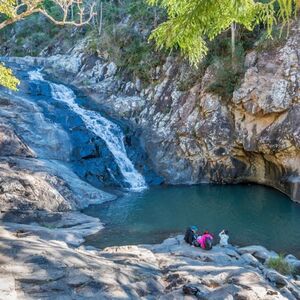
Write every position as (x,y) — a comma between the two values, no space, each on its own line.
(191,235)
(224,238)
(206,240)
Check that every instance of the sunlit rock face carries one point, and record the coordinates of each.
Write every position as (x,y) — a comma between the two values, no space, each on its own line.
(267,116)
(195,136)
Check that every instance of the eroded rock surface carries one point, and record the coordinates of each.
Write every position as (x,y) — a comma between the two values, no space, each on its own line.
(23,189)
(11,145)
(195,136)
(34,268)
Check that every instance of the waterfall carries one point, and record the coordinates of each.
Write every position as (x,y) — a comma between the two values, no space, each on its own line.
(109,132)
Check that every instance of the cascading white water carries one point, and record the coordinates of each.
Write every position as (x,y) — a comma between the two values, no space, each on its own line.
(109,132)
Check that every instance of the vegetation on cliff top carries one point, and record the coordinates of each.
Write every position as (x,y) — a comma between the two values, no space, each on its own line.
(187,30)
(191,22)
(70,12)
(120,33)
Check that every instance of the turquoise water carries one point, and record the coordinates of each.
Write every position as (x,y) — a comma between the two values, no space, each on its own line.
(253,215)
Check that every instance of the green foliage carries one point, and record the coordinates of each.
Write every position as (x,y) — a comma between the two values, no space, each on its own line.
(191,22)
(266,44)
(28,41)
(141,12)
(226,73)
(7,78)
(227,76)
(52,9)
(7,7)
(124,38)
(280,265)
(127,49)
(226,80)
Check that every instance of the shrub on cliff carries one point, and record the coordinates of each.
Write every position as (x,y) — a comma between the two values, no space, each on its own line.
(280,265)
(123,37)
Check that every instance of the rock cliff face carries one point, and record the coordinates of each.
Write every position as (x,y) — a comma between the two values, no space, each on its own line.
(196,136)
(37,194)
(254,137)
(28,182)
(22,189)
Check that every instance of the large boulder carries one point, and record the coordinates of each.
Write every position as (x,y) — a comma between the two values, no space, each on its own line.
(27,190)
(294,262)
(259,252)
(12,145)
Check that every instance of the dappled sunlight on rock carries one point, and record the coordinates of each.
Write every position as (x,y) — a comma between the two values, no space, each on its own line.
(42,268)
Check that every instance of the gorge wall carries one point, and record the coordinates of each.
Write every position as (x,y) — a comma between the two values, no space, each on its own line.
(196,136)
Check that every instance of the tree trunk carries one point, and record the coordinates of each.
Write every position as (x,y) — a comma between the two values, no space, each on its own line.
(233,56)
(101,19)
(155,17)
(72,12)
(233,28)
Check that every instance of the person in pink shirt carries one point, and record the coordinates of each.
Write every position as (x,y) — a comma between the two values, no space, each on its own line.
(205,240)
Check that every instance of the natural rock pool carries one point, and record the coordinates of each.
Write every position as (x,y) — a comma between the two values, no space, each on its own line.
(253,214)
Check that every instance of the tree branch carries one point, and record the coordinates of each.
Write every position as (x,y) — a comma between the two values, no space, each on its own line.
(35,6)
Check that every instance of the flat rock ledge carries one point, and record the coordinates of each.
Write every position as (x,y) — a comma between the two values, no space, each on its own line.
(32,267)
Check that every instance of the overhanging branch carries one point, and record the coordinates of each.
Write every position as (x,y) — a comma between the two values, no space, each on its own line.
(84,16)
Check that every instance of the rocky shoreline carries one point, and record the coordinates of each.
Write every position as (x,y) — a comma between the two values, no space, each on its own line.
(35,267)
(191,137)
(41,258)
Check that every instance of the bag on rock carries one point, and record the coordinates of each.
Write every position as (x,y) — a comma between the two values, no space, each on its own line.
(194,291)
(190,290)
(190,235)
(208,244)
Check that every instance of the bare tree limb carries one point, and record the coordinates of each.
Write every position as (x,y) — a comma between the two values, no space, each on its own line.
(25,8)
(98,18)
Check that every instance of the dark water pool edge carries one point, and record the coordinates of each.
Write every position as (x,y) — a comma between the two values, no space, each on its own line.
(234,242)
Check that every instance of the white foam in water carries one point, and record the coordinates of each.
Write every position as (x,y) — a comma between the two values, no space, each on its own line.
(36,75)
(109,132)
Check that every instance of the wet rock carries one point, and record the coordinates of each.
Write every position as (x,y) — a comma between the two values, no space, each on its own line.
(28,182)
(194,135)
(88,151)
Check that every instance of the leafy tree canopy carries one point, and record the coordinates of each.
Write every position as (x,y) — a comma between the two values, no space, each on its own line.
(7,79)
(6,7)
(191,22)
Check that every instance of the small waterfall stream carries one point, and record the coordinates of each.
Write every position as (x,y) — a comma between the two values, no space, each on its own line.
(109,132)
